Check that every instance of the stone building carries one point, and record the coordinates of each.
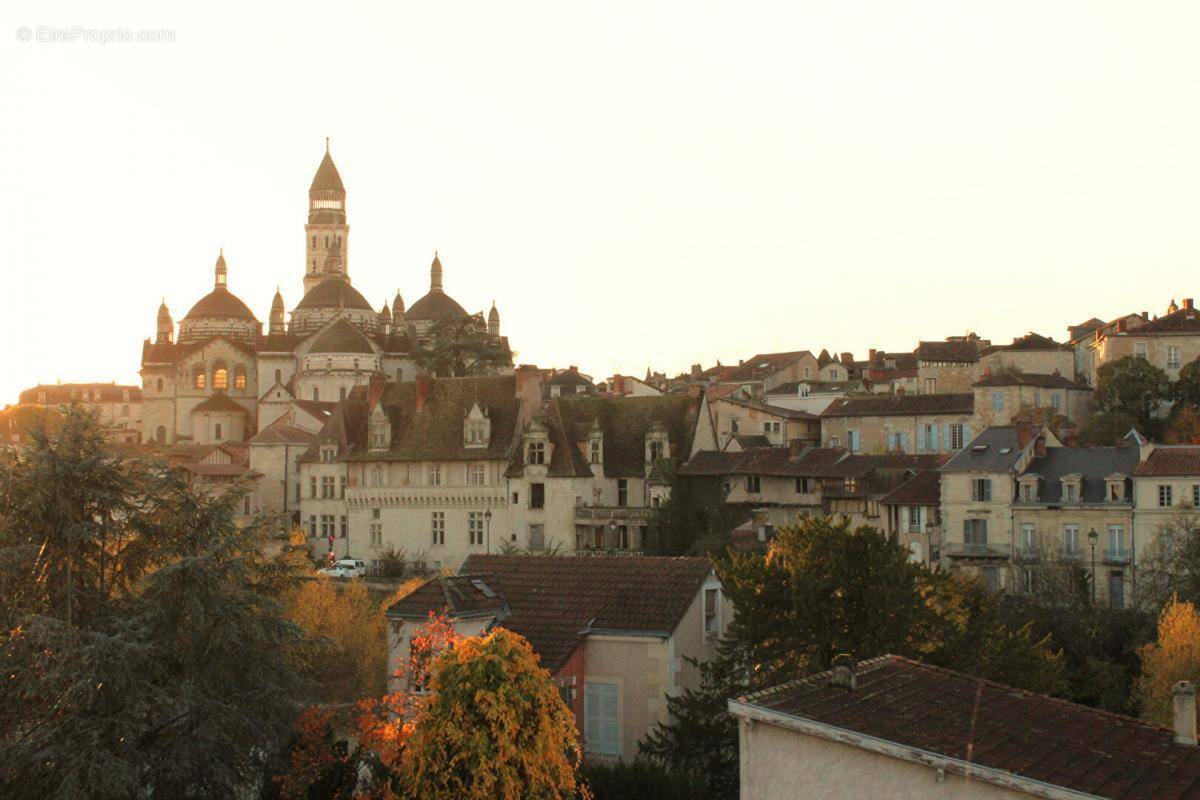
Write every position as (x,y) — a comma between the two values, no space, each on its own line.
(118,407)
(949,366)
(777,425)
(1001,397)
(222,378)
(1168,342)
(879,423)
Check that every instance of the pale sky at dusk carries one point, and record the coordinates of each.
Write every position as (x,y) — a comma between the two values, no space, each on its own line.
(634,183)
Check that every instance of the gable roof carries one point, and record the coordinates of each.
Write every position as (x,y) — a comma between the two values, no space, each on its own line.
(219,402)
(774,461)
(556,601)
(762,364)
(1035,379)
(779,411)
(1185,320)
(998,730)
(923,489)
(1168,460)
(887,405)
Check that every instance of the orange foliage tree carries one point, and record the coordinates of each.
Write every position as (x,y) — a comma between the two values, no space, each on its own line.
(1175,656)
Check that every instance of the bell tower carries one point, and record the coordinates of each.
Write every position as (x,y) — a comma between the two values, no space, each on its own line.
(326,233)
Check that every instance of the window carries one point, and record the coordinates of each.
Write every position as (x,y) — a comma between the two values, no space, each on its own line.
(297,492)
(433,474)
(1028,532)
(853,441)
(957,434)
(622,537)
(474,527)
(656,451)
(239,379)
(1139,349)
(379,439)
(327,526)
(316,394)
(622,492)
(594,451)
(1172,356)
(220,378)
(312,486)
(1028,492)
(279,376)
(997,401)
(808,372)
(376,534)
(733,424)
(914,519)
(1164,496)
(1116,491)
(1195,495)
(753,484)
(160,384)
(931,386)
(477,433)
(437,524)
(772,427)
(850,485)
(712,621)
(981,489)
(160,434)
(1071,540)
(199,380)
(1116,540)
(537,495)
(802,391)
(377,475)
(1070,492)
(537,452)
(601,731)
(1116,589)
(326,486)
(345,527)
(975,533)
(341,393)
(835,441)
(537,537)
(476,475)
(312,525)
(802,486)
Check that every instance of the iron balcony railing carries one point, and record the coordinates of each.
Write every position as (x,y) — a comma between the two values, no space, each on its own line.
(1118,555)
(614,512)
(973,550)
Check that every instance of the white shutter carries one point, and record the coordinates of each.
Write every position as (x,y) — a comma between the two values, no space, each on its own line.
(601,733)
(612,743)
(591,717)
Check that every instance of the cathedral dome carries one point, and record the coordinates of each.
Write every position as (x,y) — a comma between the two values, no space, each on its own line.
(334,292)
(342,337)
(220,303)
(436,305)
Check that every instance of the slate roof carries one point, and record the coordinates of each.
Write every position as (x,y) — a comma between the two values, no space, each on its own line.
(773,461)
(751,440)
(922,489)
(342,337)
(790,389)
(887,405)
(1167,460)
(779,411)
(861,465)
(995,439)
(556,601)
(333,292)
(958,351)
(1036,379)
(1093,464)
(220,303)
(436,432)
(567,377)
(327,176)
(281,432)
(64,392)
(999,727)
(624,422)
(219,402)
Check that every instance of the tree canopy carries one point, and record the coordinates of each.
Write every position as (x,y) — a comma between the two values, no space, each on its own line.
(1133,386)
(461,346)
(1173,657)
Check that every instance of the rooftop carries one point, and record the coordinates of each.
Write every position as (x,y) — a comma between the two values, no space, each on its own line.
(1169,460)
(884,405)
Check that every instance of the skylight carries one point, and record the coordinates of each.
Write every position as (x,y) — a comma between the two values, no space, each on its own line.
(1005,450)
(979,448)
(483,587)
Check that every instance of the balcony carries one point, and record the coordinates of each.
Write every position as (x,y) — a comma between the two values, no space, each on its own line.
(1119,555)
(618,513)
(602,552)
(1070,554)
(973,550)
(1028,555)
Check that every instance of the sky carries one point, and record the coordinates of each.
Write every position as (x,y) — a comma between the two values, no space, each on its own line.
(636,184)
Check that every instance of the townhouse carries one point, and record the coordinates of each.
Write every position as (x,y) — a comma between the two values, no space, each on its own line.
(1166,488)
(912,516)
(118,407)
(1168,342)
(586,473)
(1031,353)
(779,424)
(878,423)
(619,635)
(812,397)
(950,366)
(1000,397)
(765,371)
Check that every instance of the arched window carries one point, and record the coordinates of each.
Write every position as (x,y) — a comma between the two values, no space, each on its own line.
(160,434)
(160,384)
(200,379)
(279,376)
(342,393)
(329,363)
(220,378)
(216,430)
(316,393)
(239,378)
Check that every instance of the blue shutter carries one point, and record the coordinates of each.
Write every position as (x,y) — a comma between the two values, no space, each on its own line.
(946,438)
(966,434)
(904,442)
(891,437)
(920,437)
(933,437)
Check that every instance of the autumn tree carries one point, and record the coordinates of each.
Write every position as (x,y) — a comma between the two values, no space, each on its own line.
(351,661)
(1173,657)
(1184,425)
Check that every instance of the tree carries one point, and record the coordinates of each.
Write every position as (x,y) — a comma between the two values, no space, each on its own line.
(144,645)
(1131,385)
(1186,389)
(695,518)
(1107,428)
(1184,426)
(495,726)
(1171,562)
(1175,656)
(462,346)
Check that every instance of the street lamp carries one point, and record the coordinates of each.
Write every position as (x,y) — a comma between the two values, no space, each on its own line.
(487,521)
(1092,537)
(929,542)
(612,529)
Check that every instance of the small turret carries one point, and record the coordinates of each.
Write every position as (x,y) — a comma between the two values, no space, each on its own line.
(398,324)
(277,315)
(385,319)
(494,320)
(222,272)
(166,326)
(435,274)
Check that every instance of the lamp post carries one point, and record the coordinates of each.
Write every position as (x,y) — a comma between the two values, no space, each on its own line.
(612,529)
(929,542)
(1092,537)
(487,521)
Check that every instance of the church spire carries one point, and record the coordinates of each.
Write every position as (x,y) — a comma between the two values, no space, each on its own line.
(277,314)
(166,326)
(435,274)
(326,236)
(222,272)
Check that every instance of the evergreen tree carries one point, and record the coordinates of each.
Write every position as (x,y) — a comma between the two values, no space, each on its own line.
(695,519)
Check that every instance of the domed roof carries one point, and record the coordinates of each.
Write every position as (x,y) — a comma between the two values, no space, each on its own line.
(333,292)
(327,177)
(220,303)
(435,306)
(342,337)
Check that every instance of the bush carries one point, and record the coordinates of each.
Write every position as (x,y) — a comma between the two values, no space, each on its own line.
(392,562)
(639,780)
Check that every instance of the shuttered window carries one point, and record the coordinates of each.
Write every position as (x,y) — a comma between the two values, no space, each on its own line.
(600,719)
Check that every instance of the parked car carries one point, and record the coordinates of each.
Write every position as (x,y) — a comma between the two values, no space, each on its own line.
(345,568)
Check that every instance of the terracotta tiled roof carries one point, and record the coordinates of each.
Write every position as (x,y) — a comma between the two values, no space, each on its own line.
(779,411)
(555,601)
(922,489)
(885,405)
(959,351)
(456,595)
(998,727)
(1171,460)
(1185,320)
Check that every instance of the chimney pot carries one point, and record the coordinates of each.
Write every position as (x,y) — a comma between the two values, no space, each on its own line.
(421,391)
(1187,302)
(1184,698)
(1121,325)
(845,674)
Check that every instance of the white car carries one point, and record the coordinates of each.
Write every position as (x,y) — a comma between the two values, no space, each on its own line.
(345,568)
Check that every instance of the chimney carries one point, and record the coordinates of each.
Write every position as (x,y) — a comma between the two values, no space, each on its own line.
(618,385)
(1187,303)
(375,390)
(529,391)
(1185,712)
(1039,446)
(987,372)
(696,370)
(1056,372)
(1024,432)
(847,358)
(421,391)
(845,675)
(795,448)
(871,354)
(1121,325)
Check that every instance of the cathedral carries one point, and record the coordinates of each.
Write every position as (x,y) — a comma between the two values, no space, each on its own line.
(221,378)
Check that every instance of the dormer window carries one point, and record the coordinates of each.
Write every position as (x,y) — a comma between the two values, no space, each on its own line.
(477,428)
(1114,488)
(656,451)
(328,453)
(1028,488)
(379,429)
(537,453)
(657,444)
(595,450)
(1070,492)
